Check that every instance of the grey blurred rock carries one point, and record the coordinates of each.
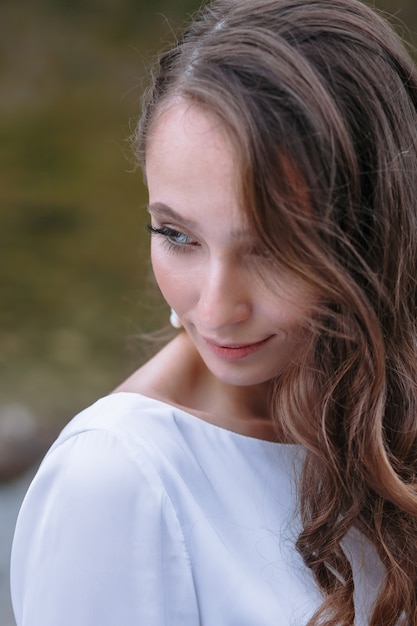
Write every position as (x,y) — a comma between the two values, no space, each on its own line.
(22,441)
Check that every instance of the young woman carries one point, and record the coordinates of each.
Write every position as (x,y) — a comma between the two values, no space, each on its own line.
(261,469)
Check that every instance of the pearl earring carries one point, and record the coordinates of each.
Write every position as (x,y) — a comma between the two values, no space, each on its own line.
(175,320)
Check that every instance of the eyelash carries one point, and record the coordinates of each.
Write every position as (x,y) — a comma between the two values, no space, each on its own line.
(171,234)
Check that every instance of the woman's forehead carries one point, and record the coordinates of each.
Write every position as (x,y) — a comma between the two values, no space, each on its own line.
(181,116)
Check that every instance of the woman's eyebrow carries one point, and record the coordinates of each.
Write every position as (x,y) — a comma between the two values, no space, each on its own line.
(159,209)
(163,211)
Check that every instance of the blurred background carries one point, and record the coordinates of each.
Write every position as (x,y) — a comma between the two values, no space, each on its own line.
(74,275)
(75,282)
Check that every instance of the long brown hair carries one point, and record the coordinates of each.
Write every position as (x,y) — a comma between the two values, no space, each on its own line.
(326,90)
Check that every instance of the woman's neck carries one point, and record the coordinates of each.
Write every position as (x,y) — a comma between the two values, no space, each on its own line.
(178,376)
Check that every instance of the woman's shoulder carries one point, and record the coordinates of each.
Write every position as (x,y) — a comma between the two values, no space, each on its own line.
(127,415)
(125,435)
(97,516)
(126,424)
(108,445)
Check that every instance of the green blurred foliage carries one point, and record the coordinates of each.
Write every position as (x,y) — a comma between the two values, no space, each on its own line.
(74,276)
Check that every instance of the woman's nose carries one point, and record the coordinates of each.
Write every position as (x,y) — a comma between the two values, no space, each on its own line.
(224,297)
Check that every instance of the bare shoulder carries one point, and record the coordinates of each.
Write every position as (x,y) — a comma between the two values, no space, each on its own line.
(172,375)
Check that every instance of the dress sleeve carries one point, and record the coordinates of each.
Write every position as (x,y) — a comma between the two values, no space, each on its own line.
(97,542)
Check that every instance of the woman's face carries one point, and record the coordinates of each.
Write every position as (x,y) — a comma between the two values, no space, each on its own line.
(204,258)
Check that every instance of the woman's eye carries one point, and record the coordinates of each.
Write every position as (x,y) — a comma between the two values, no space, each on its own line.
(177,237)
(172,237)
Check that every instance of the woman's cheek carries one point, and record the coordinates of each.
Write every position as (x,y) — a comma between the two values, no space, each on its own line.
(174,276)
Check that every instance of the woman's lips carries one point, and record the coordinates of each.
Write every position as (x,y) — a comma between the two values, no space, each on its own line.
(235,351)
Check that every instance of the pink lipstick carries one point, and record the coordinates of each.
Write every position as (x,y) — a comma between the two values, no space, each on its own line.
(235,351)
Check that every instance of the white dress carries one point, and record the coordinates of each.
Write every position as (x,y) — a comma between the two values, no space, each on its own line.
(144,515)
